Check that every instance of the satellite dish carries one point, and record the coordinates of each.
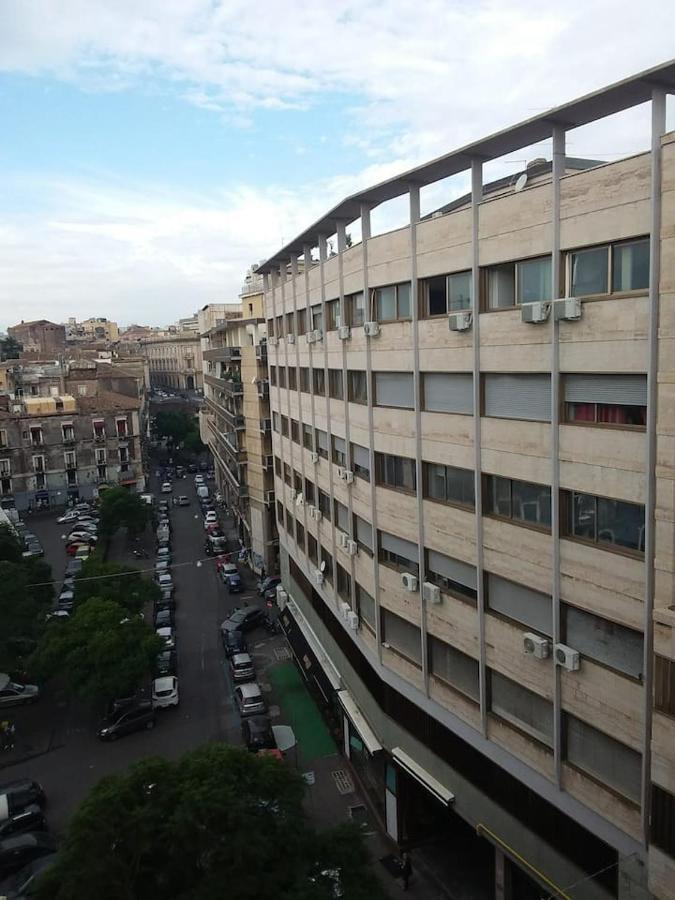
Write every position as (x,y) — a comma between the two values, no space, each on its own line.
(322,567)
(299,500)
(521,181)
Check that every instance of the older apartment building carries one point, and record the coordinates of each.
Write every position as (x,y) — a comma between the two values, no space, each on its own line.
(174,360)
(236,425)
(474,451)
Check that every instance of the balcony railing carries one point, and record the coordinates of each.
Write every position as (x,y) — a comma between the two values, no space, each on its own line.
(223,354)
(232,388)
(261,352)
(263,389)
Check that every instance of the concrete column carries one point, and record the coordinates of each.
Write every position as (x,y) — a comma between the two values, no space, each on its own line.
(307,254)
(500,875)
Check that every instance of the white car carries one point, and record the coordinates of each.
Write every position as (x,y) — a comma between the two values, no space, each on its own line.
(199,479)
(211,518)
(71,515)
(165,692)
(167,635)
(87,536)
(167,487)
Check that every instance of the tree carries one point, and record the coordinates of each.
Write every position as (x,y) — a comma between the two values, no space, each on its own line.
(122,508)
(100,651)
(10,348)
(218,822)
(193,443)
(174,425)
(110,581)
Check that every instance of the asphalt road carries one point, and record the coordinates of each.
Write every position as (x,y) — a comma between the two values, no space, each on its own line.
(206,712)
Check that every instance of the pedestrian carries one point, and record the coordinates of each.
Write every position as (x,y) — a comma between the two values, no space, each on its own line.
(406,869)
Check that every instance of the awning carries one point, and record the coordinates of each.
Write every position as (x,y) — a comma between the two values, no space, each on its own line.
(358,720)
(315,646)
(439,791)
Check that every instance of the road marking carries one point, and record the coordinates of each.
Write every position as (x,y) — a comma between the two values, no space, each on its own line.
(282,653)
(309,777)
(343,782)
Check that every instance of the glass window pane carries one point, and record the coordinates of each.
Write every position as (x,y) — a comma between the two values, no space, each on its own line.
(358,308)
(501,286)
(404,308)
(436,481)
(386,304)
(583,516)
(500,496)
(621,523)
(630,268)
(531,503)
(460,487)
(534,280)
(589,272)
(436,296)
(459,291)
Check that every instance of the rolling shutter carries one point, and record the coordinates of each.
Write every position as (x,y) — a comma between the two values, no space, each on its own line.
(364,532)
(518,397)
(520,603)
(624,390)
(394,389)
(453,569)
(361,456)
(322,440)
(399,546)
(448,392)
(339,444)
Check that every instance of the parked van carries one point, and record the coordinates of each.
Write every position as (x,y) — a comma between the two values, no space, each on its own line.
(202,491)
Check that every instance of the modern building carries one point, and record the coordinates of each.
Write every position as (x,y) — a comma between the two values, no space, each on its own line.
(235,423)
(93,329)
(174,360)
(41,337)
(474,452)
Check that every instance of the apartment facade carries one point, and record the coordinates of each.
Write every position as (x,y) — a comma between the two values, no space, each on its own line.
(174,360)
(473,426)
(236,425)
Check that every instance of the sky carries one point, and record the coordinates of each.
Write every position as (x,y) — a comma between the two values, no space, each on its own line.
(151,151)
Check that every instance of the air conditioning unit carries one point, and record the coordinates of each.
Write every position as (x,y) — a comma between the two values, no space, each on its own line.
(351,547)
(272,341)
(567,657)
(352,620)
(341,473)
(345,608)
(317,335)
(318,577)
(318,515)
(535,313)
(431,592)
(310,337)
(409,582)
(290,338)
(460,321)
(536,645)
(282,597)
(567,309)
(343,332)
(315,457)
(371,329)
(349,476)
(341,539)
(310,511)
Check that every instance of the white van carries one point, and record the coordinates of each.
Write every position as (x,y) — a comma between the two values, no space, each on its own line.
(202,491)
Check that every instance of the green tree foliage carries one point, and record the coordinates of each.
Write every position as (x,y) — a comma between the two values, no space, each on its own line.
(193,443)
(10,348)
(220,822)
(110,581)
(25,597)
(121,508)
(174,425)
(101,653)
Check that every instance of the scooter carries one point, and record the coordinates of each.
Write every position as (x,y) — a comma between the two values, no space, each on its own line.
(271,625)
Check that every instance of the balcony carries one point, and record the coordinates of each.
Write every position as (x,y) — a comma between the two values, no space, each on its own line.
(231,388)
(265,426)
(235,420)
(243,492)
(223,354)
(261,352)
(263,389)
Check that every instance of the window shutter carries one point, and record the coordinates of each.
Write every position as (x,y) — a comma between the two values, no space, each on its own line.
(399,546)
(453,569)
(339,443)
(627,390)
(605,641)
(364,532)
(521,707)
(394,389)
(322,440)
(453,666)
(520,603)
(402,636)
(448,392)
(518,397)
(361,456)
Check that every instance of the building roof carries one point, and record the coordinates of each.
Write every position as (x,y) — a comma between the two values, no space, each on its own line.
(108,401)
(589,108)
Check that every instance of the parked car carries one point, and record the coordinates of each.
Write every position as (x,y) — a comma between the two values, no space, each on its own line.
(249,699)
(268,583)
(165,692)
(241,667)
(83,552)
(166,663)
(227,568)
(70,515)
(183,500)
(233,583)
(131,718)
(33,548)
(162,565)
(167,487)
(16,821)
(23,884)
(243,619)
(167,596)
(164,553)
(192,468)
(211,518)
(14,694)
(164,580)
(73,567)
(257,733)
(199,479)
(21,849)
(164,617)
(234,642)
(167,634)
(78,534)
(22,792)
(73,547)
(66,598)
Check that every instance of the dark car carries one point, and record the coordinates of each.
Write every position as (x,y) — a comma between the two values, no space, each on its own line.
(164,618)
(244,619)
(234,642)
(192,468)
(163,603)
(166,663)
(74,567)
(21,849)
(268,584)
(233,583)
(203,467)
(130,718)
(21,793)
(23,884)
(257,733)
(29,818)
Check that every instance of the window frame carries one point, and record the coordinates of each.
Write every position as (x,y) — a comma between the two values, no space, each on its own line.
(355,377)
(611,247)
(567,525)
(380,470)
(424,295)
(490,513)
(397,315)
(336,380)
(484,282)
(471,507)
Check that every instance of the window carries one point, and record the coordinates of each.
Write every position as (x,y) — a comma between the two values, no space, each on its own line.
(277,467)
(603,758)
(363,532)
(398,553)
(270,327)
(343,584)
(304,379)
(509,284)
(355,306)
(453,667)
(100,457)
(297,483)
(361,461)
(290,323)
(282,376)
(300,534)
(662,831)
(341,516)
(102,473)
(518,397)
(287,474)
(70,460)
(357,386)
(450,392)
(327,565)
(664,685)
(307,437)
(284,426)
(606,400)
(38,463)
(335,384)
(448,484)
(604,641)
(521,707)
(5,467)
(402,636)
(301,317)
(365,606)
(394,389)
(392,303)
(446,293)
(36,436)
(295,431)
(280,326)
(612,523)
(321,443)
(518,500)
(280,513)
(292,378)
(68,432)
(316,314)
(275,420)
(324,504)
(124,455)
(339,451)
(395,471)
(290,524)
(312,548)
(310,492)
(71,477)
(99,429)
(121,428)
(452,575)
(610,269)
(333,315)
(319,382)
(520,603)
